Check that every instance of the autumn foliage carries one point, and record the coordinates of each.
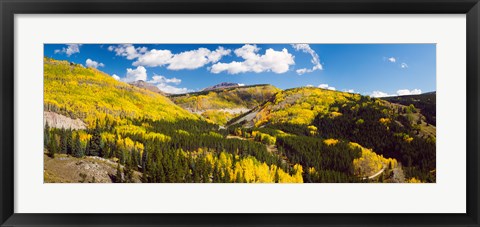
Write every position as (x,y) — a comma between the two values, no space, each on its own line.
(300,135)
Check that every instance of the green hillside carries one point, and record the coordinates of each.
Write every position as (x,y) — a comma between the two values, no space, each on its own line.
(301,105)
(426,102)
(91,95)
(142,133)
(221,105)
(309,135)
(391,130)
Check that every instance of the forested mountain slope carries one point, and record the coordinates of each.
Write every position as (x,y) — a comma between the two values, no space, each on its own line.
(143,132)
(392,130)
(426,102)
(292,136)
(89,94)
(224,103)
(222,85)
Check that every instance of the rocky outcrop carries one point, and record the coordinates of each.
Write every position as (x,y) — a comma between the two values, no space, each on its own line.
(89,169)
(226,110)
(221,86)
(55,120)
(146,85)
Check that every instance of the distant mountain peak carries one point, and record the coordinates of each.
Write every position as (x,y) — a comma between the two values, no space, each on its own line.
(223,85)
(146,85)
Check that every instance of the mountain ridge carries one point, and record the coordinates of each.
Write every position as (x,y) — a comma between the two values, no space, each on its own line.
(223,104)
(221,86)
(65,86)
(148,86)
(301,134)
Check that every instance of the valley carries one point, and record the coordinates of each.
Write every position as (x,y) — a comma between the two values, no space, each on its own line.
(102,130)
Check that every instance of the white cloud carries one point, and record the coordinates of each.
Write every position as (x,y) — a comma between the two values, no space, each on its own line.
(233,67)
(172,90)
(379,94)
(349,91)
(409,92)
(192,59)
(309,85)
(325,86)
(128,51)
(275,61)
(69,50)
(140,73)
(216,55)
(93,64)
(163,83)
(241,85)
(196,58)
(156,79)
(403,65)
(154,58)
(315,59)
(303,71)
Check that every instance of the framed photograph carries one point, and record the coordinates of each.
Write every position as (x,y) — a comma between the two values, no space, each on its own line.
(216,113)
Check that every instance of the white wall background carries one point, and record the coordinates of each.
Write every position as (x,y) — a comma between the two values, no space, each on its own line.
(447,195)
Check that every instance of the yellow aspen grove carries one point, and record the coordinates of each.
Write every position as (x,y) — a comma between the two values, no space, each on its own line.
(384,121)
(66,84)
(414,180)
(330,142)
(312,130)
(370,162)
(298,173)
(142,127)
(139,147)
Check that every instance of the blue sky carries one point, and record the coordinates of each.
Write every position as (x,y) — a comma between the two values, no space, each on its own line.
(368,69)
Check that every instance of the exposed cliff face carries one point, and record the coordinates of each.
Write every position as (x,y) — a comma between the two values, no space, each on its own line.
(221,86)
(55,120)
(89,169)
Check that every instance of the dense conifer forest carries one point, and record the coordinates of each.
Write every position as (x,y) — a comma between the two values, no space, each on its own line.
(300,135)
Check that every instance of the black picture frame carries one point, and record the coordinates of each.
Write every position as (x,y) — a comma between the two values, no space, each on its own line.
(10,7)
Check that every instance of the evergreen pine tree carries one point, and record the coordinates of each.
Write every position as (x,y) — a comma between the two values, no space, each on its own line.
(118,176)
(46,135)
(52,147)
(133,158)
(196,174)
(69,142)
(216,174)
(227,177)
(144,159)
(161,173)
(238,178)
(188,176)
(152,172)
(77,147)
(380,178)
(87,148)
(63,142)
(277,177)
(129,172)
(95,148)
